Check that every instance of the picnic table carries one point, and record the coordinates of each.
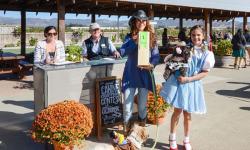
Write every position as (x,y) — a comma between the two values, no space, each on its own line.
(9,63)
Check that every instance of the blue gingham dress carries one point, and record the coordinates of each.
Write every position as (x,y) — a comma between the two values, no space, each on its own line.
(189,96)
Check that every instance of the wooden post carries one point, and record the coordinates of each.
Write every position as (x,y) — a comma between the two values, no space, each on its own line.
(23,32)
(180,24)
(211,25)
(61,20)
(151,15)
(92,18)
(118,29)
(207,25)
(233,26)
(244,22)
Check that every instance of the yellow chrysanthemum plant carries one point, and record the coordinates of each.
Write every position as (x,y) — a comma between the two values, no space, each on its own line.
(67,123)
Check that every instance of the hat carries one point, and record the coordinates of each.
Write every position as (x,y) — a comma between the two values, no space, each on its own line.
(94,26)
(140,14)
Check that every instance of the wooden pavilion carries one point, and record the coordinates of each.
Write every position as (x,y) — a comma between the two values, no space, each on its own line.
(183,9)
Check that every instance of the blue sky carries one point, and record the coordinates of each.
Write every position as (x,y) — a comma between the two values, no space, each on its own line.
(16,14)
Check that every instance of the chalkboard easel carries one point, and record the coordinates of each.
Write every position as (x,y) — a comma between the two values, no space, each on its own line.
(109,109)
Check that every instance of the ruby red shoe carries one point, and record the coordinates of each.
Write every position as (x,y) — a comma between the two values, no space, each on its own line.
(173,148)
(170,148)
(187,146)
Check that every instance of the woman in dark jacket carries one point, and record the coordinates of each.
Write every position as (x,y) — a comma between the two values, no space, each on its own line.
(239,43)
(134,77)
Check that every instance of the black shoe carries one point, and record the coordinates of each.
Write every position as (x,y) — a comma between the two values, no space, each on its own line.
(142,122)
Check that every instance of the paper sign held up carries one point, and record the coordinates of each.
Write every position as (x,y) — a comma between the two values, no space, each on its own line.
(143,48)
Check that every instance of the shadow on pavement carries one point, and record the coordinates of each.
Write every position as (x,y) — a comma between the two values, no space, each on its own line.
(26,104)
(245,108)
(240,93)
(24,85)
(150,142)
(14,132)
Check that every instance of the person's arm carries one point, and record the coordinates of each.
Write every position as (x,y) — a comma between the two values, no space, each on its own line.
(37,53)
(198,76)
(113,50)
(61,57)
(84,51)
(155,56)
(128,47)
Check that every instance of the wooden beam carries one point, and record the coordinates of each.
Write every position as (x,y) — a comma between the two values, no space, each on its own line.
(61,20)
(180,24)
(23,32)
(207,25)
(32,2)
(233,26)
(93,18)
(245,23)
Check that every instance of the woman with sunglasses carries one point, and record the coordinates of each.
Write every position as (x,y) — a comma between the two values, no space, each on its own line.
(50,50)
(134,77)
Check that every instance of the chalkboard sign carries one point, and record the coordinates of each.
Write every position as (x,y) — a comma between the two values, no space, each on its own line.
(108,101)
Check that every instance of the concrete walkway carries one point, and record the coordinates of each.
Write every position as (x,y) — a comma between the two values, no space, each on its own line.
(226,126)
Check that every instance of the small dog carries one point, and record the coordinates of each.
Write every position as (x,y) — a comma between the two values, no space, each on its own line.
(177,61)
(137,135)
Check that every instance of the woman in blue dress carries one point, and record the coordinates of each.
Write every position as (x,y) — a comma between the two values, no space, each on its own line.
(186,94)
(134,77)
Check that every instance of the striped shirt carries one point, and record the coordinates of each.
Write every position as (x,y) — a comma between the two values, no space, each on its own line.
(40,52)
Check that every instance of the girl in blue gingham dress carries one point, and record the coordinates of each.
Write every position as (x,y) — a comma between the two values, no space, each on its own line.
(186,94)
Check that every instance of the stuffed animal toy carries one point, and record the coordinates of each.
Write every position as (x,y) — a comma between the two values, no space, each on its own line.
(118,138)
(177,62)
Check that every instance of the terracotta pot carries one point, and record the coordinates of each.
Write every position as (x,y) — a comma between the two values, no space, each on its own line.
(223,61)
(58,146)
(159,120)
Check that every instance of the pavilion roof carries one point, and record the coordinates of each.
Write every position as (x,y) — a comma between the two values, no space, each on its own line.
(187,9)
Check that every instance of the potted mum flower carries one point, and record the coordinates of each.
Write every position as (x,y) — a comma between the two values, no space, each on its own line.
(64,124)
(156,108)
(223,53)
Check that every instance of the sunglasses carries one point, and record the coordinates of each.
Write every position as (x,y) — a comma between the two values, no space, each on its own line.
(50,34)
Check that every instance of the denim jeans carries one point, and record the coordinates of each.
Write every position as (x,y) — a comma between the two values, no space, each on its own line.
(129,101)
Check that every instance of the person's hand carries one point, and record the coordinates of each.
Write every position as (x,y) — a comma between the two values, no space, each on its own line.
(182,79)
(116,54)
(149,67)
(84,59)
(48,60)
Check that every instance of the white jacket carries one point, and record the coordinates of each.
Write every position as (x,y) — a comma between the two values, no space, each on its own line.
(40,52)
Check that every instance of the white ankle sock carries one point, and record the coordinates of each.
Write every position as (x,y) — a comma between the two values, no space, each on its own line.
(186,139)
(187,143)
(172,140)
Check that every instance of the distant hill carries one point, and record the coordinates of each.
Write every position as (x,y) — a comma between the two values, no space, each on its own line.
(109,23)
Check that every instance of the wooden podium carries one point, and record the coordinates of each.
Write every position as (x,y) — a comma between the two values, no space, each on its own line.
(143,49)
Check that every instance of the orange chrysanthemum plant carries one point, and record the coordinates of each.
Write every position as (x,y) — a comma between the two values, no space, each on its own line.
(66,123)
(156,105)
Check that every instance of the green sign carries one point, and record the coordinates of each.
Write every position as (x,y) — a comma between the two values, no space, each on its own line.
(143,39)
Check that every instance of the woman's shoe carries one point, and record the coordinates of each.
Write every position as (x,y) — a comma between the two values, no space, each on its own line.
(187,146)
